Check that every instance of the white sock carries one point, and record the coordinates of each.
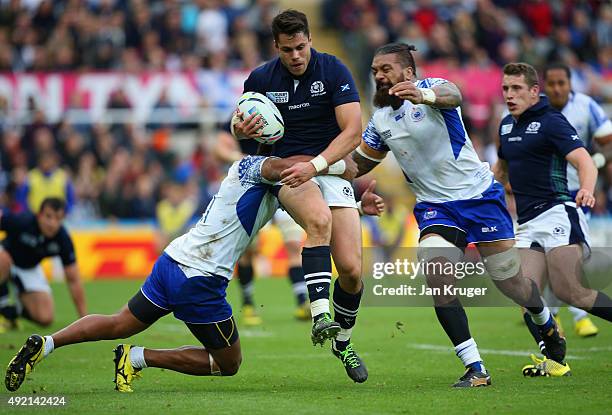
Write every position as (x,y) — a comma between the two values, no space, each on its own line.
(344,335)
(49,346)
(319,306)
(137,357)
(541,318)
(578,313)
(468,352)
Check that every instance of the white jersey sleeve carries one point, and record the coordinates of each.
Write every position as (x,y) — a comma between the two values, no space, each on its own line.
(233,217)
(590,121)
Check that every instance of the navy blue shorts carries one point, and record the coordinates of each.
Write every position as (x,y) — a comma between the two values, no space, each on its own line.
(484,219)
(200,299)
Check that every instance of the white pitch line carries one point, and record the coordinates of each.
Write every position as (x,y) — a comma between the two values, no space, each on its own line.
(447,349)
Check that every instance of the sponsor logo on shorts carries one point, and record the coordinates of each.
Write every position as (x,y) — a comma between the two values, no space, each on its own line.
(278,97)
(347,191)
(558,231)
(489,229)
(430,214)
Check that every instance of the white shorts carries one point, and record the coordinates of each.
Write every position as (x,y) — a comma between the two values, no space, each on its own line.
(288,227)
(560,225)
(31,279)
(337,192)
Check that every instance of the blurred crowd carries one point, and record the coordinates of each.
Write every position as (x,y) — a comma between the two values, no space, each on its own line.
(134,35)
(470,40)
(128,171)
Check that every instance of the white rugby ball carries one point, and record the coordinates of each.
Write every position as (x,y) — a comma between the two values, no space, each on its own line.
(273,124)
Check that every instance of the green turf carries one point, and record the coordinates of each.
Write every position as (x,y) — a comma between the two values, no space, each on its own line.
(283,373)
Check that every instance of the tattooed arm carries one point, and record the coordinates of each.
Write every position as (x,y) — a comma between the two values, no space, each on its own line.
(447,95)
(367,158)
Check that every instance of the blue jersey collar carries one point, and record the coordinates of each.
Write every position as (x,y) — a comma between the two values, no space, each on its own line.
(541,106)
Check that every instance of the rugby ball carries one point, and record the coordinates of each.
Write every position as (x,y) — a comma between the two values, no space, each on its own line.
(273,125)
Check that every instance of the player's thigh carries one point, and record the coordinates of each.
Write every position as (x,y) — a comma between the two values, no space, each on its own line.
(534,266)
(39,305)
(306,205)
(565,272)
(346,242)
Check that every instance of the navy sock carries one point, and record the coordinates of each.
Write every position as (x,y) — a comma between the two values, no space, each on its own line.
(245,276)
(602,307)
(535,332)
(454,321)
(316,262)
(535,304)
(296,275)
(346,306)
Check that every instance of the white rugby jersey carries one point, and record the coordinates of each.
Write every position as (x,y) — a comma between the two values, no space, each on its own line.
(433,149)
(588,118)
(237,212)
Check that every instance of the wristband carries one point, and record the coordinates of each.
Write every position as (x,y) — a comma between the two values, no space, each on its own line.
(337,168)
(599,160)
(319,163)
(429,96)
(360,208)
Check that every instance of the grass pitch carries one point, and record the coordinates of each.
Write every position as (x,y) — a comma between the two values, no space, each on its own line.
(409,358)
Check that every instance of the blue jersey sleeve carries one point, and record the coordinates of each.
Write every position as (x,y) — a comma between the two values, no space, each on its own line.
(373,139)
(562,135)
(431,82)
(343,85)
(66,248)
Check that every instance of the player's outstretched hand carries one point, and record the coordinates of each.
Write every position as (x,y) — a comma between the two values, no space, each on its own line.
(371,203)
(585,198)
(298,174)
(250,127)
(407,90)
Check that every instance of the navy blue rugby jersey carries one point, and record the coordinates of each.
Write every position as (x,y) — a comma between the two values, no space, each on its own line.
(307,103)
(535,146)
(28,246)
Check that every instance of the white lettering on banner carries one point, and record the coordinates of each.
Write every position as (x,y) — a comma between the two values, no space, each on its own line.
(54,93)
(97,88)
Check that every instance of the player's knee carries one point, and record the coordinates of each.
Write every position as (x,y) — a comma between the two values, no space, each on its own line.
(319,225)
(231,367)
(435,252)
(504,265)
(44,320)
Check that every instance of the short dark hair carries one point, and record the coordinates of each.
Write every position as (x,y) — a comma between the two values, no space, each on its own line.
(290,22)
(54,203)
(402,50)
(558,65)
(522,68)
